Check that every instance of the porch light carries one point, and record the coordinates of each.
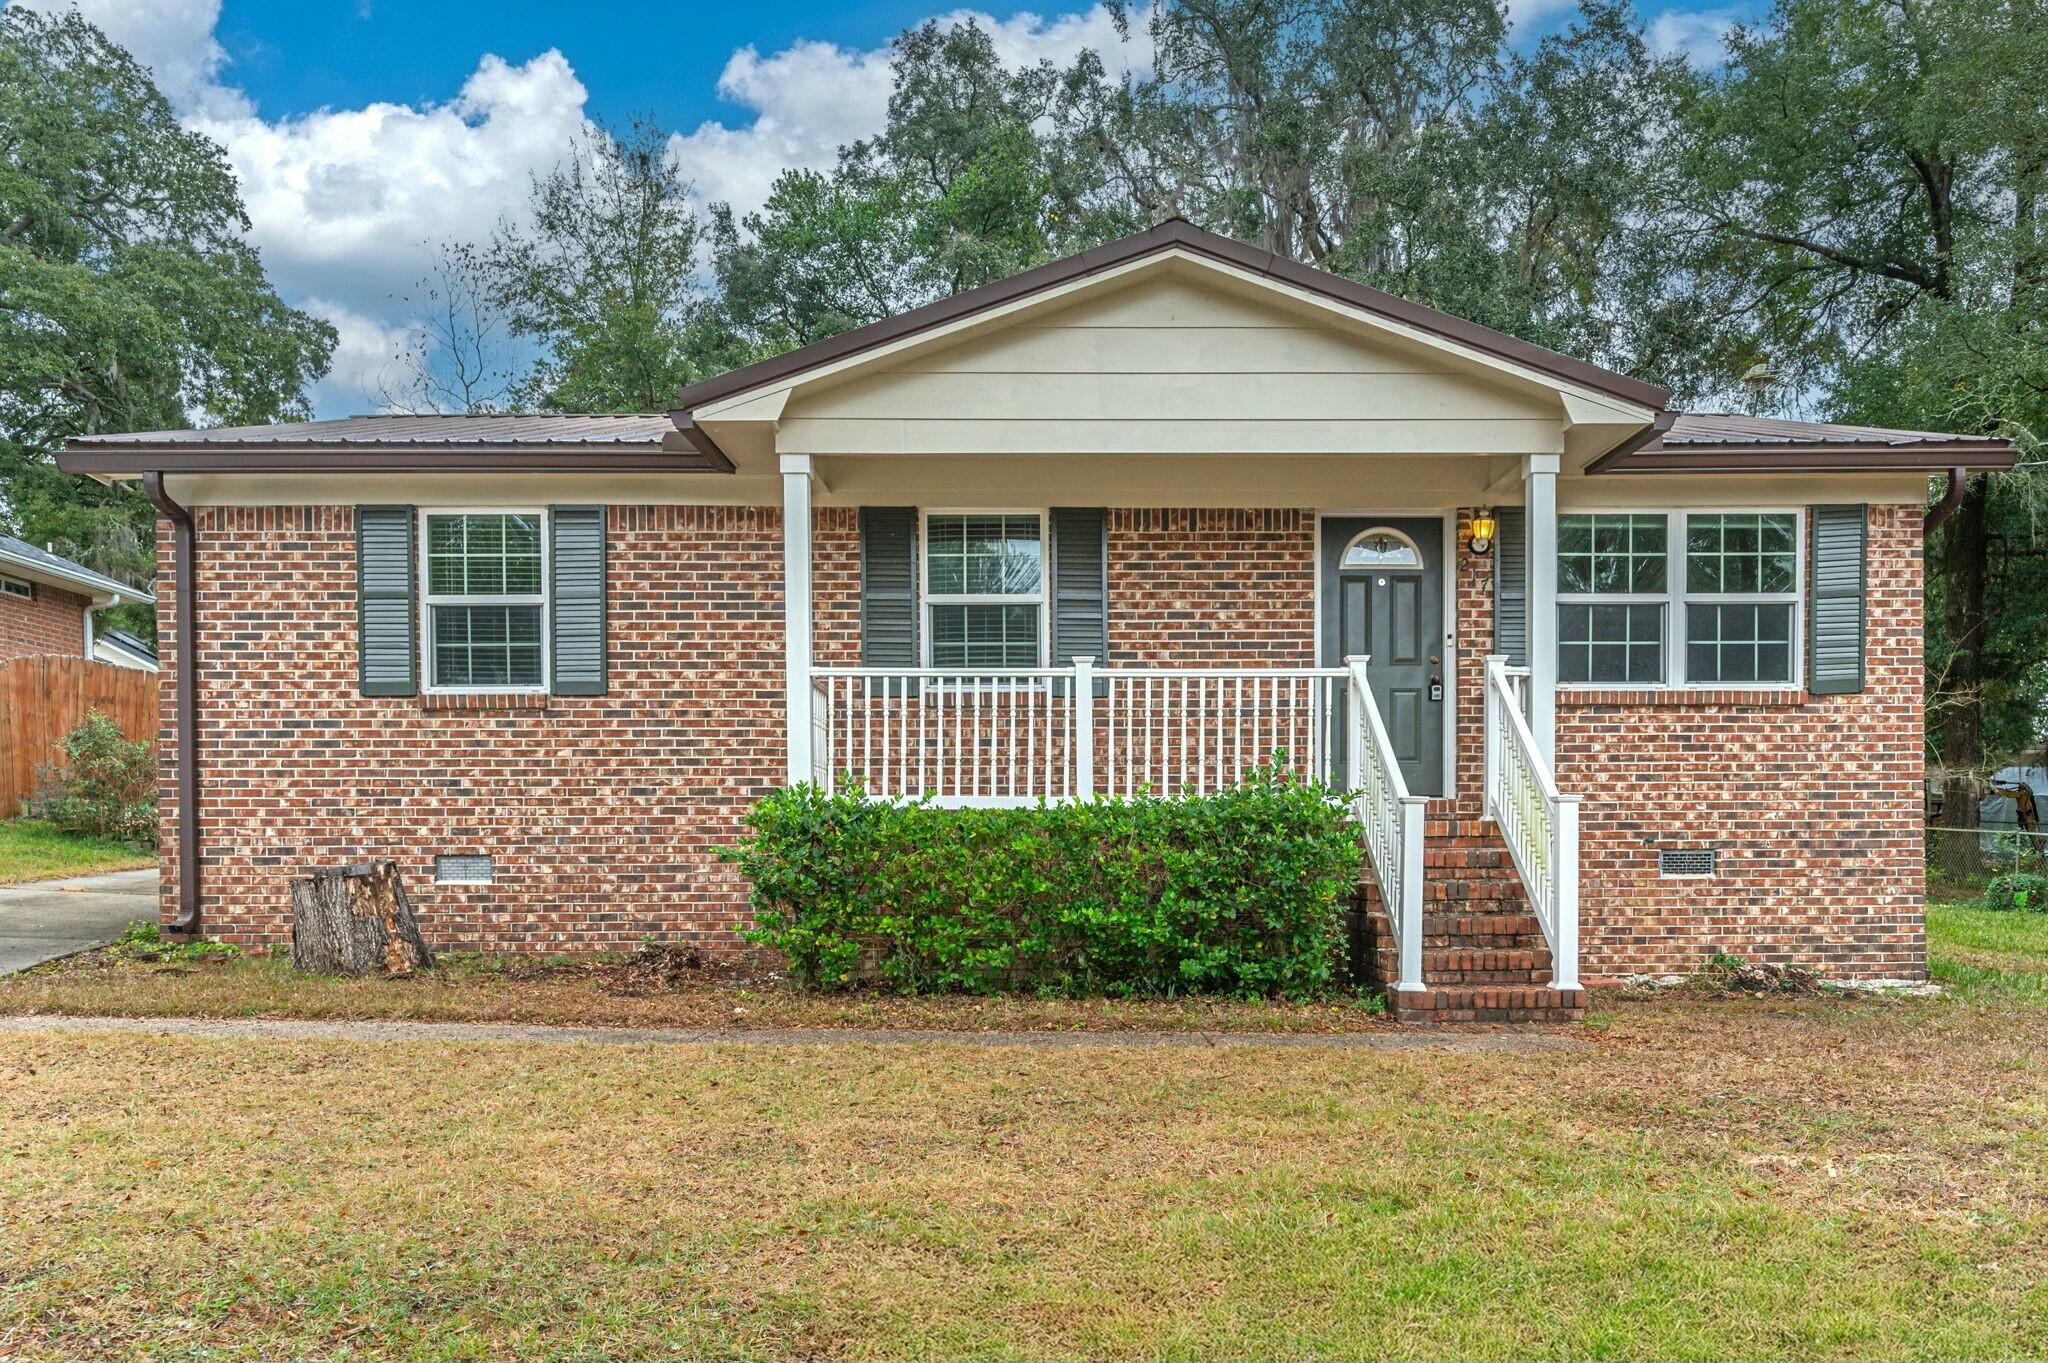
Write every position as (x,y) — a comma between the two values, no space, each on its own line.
(1483,529)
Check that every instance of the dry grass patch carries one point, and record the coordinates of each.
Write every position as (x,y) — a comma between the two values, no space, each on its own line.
(658,987)
(1694,1180)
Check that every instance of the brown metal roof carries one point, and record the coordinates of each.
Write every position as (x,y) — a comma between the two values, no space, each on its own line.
(636,428)
(1727,442)
(527,443)
(1171,234)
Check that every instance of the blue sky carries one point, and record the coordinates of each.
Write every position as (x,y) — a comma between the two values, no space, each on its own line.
(634,57)
(364,132)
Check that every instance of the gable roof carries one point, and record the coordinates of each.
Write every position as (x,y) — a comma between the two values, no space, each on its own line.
(23,558)
(1727,442)
(1170,235)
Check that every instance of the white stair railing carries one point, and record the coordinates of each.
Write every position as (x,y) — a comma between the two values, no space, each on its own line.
(1392,821)
(1539,825)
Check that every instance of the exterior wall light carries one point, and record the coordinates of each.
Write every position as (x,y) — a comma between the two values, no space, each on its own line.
(1483,531)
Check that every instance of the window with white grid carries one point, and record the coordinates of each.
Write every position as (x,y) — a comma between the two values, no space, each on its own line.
(1695,598)
(984,589)
(484,604)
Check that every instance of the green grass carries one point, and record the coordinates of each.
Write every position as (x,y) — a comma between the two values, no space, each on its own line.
(37,851)
(1705,1181)
(1698,1177)
(1988,955)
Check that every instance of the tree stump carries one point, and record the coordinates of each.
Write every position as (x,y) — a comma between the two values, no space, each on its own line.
(351,920)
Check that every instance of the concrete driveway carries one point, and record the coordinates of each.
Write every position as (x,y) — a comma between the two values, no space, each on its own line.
(51,918)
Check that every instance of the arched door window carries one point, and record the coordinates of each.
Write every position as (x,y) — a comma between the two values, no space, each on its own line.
(1382,549)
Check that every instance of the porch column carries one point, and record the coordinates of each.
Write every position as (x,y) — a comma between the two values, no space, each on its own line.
(1539,489)
(796,610)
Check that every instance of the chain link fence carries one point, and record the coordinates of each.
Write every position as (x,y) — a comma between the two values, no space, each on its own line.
(1996,850)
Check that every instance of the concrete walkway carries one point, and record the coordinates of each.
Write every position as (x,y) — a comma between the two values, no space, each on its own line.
(46,919)
(1390,1039)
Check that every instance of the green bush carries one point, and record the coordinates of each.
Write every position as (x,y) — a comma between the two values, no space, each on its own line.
(104,788)
(1240,893)
(2018,890)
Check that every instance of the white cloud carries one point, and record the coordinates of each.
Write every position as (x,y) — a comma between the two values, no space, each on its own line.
(173,38)
(345,204)
(1696,34)
(812,98)
(365,358)
(344,201)
(1522,12)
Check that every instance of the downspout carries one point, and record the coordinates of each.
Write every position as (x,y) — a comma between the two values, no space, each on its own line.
(185,700)
(1958,483)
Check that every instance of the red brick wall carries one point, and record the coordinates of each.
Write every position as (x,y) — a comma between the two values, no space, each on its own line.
(52,623)
(835,586)
(604,814)
(1212,588)
(1814,805)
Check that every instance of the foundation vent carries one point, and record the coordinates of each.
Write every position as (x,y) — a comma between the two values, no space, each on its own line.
(462,870)
(1685,861)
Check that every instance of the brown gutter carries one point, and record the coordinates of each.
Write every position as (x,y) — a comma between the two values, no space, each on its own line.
(1958,484)
(185,699)
(689,435)
(1659,424)
(122,459)
(1835,457)
(1172,233)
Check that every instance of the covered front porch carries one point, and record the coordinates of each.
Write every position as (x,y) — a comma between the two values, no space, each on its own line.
(1147,518)
(1430,727)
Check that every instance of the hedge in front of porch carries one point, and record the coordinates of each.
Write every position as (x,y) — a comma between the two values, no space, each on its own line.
(1241,893)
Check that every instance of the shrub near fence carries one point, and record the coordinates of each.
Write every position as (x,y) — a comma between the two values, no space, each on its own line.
(1242,892)
(44,698)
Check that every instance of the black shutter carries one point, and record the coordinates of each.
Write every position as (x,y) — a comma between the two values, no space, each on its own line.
(1835,593)
(1080,585)
(1511,586)
(576,599)
(888,586)
(387,644)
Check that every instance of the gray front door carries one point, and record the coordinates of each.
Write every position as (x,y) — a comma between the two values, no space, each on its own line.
(1383,596)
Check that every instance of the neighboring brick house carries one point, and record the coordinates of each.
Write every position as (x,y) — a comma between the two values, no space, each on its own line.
(47,604)
(1615,688)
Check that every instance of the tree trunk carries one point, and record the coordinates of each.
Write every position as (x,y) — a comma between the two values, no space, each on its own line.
(352,920)
(1965,565)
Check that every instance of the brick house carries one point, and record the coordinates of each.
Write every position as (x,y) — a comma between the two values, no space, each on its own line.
(1613,687)
(47,605)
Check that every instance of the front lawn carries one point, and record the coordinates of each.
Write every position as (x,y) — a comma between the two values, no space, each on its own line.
(1688,1177)
(30,850)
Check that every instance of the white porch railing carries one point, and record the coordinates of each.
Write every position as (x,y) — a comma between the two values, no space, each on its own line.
(1539,825)
(1018,735)
(1392,821)
(1015,736)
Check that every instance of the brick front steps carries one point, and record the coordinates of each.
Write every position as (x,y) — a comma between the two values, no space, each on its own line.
(1487,1003)
(1484,958)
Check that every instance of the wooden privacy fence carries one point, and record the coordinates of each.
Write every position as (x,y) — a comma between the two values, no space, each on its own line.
(43,698)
